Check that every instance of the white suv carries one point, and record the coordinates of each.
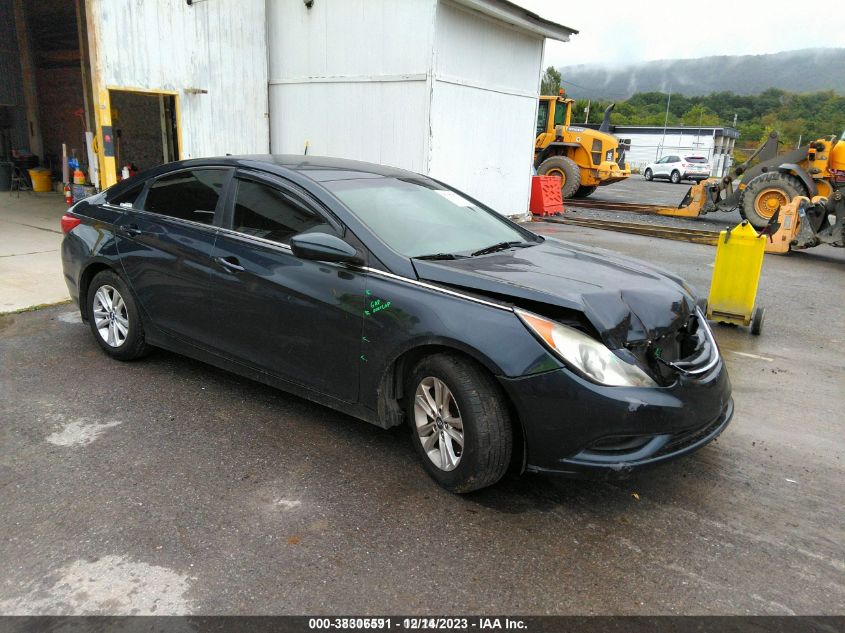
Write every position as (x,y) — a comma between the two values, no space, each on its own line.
(676,168)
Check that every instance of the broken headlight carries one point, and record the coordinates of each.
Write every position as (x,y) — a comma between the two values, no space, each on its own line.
(590,358)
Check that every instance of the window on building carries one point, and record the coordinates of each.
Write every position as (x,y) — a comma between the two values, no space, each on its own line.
(267,212)
(187,195)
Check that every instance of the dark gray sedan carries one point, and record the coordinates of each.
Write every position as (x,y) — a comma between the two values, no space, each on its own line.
(399,300)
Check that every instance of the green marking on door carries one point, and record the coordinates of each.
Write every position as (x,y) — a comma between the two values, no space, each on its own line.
(377,305)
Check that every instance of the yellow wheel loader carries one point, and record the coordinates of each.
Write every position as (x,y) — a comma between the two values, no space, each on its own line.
(811,170)
(582,158)
(799,197)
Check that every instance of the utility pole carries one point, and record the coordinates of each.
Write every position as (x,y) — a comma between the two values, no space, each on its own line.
(698,132)
(665,123)
(587,118)
(734,125)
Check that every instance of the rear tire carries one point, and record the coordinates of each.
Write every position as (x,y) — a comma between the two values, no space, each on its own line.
(564,168)
(114,318)
(648,175)
(471,406)
(765,194)
(584,191)
(675,177)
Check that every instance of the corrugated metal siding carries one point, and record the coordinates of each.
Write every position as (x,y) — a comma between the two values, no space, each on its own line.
(479,145)
(377,122)
(351,78)
(419,84)
(339,38)
(484,107)
(474,47)
(216,46)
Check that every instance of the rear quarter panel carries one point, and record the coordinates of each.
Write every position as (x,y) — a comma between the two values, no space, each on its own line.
(91,242)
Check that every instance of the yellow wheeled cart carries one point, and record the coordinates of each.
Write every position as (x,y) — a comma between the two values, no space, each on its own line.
(736,273)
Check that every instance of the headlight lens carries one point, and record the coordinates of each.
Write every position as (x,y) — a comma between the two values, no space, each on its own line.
(589,357)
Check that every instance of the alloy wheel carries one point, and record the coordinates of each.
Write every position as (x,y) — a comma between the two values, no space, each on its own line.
(438,423)
(111,318)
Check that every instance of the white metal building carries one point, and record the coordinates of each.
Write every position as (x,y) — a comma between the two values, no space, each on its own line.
(443,87)
(650,143)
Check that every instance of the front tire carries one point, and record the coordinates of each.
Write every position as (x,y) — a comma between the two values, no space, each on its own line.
(114,318)
(564,168)
(648,175)
(460,425)
(675,177)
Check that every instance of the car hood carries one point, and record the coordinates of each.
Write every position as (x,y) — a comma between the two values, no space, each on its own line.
(626,300)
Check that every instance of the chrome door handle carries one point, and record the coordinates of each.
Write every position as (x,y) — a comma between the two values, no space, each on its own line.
(231,263)
(130,229)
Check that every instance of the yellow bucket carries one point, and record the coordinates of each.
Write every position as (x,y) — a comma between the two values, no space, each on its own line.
(42,180)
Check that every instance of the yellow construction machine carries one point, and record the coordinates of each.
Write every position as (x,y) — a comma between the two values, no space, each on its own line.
(768,181)
(581,157)
(797,197)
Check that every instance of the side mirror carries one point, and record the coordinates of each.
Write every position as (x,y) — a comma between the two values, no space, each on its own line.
(322,247)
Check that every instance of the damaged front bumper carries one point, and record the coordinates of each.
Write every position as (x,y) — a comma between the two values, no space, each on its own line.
(576,428)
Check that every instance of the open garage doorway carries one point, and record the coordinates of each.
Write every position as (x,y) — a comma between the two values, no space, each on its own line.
(44,89)
(145,127)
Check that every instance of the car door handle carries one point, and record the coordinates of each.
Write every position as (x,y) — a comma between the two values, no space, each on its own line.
(230,262)
(130,229)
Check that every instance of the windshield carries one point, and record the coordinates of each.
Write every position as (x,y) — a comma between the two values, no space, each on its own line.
(696,159)
(418,217)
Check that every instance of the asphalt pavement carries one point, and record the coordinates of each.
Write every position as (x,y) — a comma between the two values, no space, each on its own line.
(168,486)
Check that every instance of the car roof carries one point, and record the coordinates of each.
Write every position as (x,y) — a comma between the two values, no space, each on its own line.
(318,169)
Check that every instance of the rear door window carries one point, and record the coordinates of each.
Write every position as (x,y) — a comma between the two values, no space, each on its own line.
(128,197)
(188,195)
(264,211)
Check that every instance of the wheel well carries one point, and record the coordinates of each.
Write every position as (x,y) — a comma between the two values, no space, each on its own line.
(85,281)
(392,395)
(553,149)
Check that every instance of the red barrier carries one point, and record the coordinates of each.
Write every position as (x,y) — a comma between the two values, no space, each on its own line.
(545,196)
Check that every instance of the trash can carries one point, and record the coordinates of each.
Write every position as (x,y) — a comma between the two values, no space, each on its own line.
(42,179)
(5,176)
(736,274)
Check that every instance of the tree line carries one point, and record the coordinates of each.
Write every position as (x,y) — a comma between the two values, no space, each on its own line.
(794,116)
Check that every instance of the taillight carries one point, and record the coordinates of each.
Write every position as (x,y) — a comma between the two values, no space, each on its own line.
(69,222)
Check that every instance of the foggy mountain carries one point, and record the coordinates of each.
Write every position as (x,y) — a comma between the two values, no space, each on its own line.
(806,70)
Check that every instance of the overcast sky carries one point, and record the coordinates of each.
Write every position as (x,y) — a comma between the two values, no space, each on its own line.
(631,32)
